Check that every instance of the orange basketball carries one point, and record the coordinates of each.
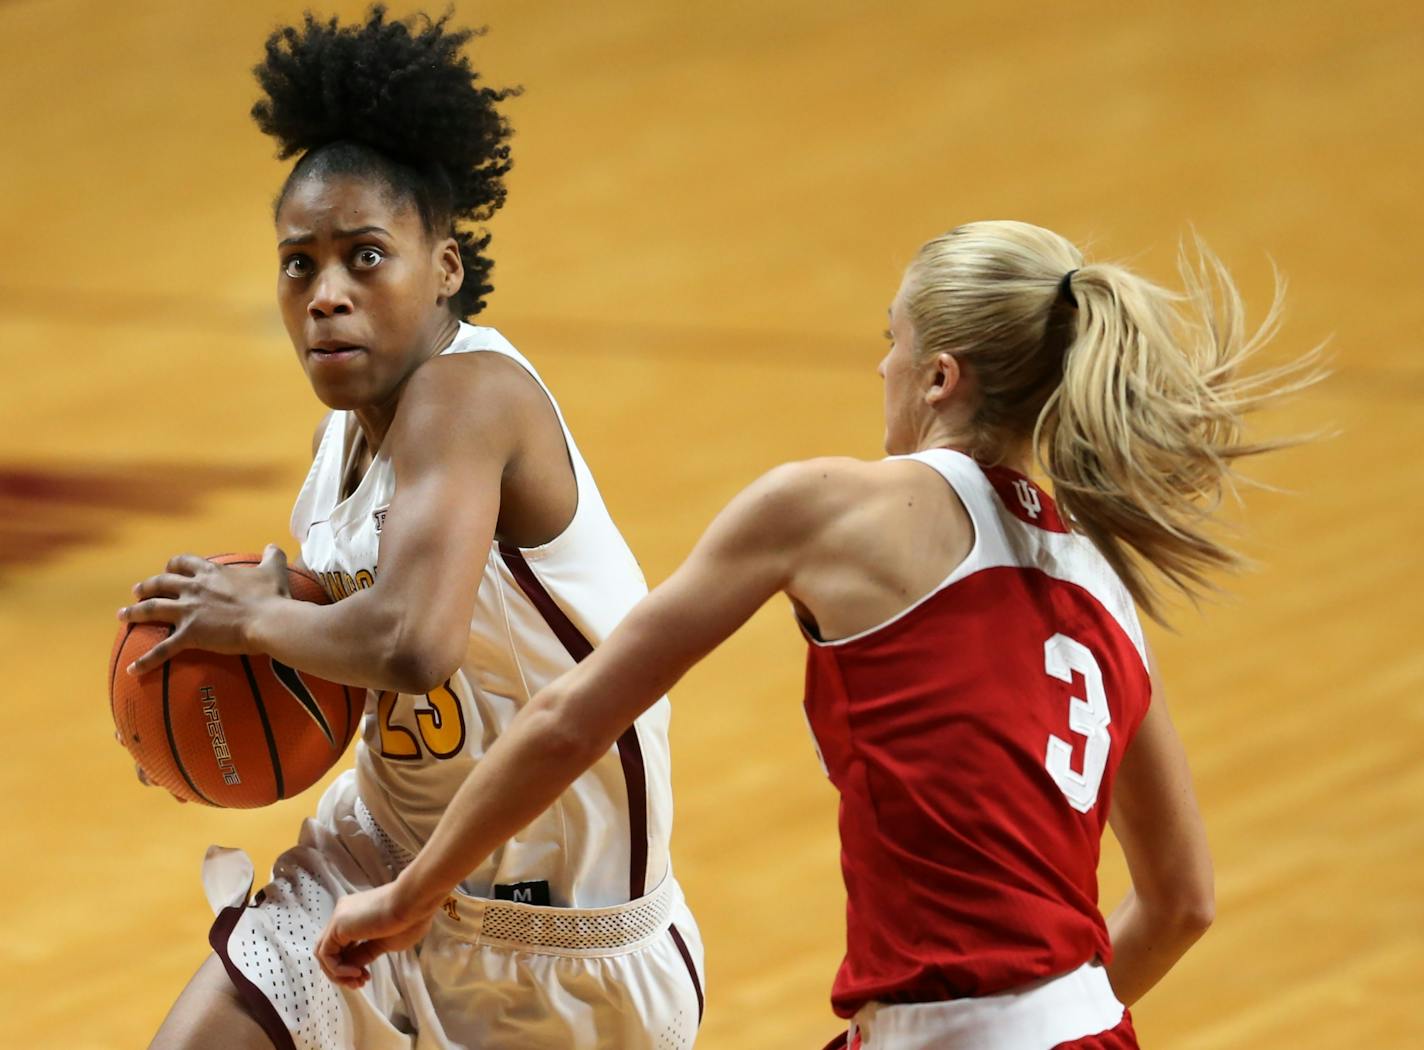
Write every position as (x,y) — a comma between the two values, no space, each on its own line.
(230,731)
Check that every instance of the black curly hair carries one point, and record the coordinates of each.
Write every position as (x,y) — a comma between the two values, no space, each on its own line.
(396,100)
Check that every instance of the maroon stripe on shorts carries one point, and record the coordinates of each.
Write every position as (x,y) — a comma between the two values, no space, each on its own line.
(258,1005)
(691,969)
(630,751)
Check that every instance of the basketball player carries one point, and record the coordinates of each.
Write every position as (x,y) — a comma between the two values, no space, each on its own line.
(978,682)
(450,512)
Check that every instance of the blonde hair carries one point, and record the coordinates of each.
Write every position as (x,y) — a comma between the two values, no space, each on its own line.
(1131,395)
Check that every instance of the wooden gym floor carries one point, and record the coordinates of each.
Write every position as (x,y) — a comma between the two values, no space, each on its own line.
(707,219)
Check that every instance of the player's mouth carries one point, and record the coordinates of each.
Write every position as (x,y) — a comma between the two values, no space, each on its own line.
(332,351)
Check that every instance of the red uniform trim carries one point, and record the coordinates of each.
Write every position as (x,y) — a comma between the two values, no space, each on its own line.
(1120,1037)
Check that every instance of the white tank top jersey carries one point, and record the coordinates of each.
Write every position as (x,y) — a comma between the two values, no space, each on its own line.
(538,610)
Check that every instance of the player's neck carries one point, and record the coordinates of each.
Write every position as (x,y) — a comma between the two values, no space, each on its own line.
(376,419)
(1017,456)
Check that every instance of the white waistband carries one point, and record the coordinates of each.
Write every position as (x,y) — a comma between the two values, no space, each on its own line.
(560,931)
(1038,1016)
(537,928)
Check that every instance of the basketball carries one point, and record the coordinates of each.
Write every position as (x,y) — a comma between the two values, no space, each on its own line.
(230,731)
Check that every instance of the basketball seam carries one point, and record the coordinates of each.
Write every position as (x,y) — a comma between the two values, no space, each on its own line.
(306,574)
(114,673)
(266,726)
(172,743)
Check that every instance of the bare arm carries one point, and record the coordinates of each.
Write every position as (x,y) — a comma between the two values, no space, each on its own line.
(1156,819)
(751,551)
(409,630)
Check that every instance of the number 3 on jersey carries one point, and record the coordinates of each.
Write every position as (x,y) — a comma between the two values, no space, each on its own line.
(439,727)
(1088,717)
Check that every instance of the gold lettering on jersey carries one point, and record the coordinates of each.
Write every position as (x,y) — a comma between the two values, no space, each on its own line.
(452,909)
(221,752)
(340,585)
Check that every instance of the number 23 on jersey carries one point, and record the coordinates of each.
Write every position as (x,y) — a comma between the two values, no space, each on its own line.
(438,729)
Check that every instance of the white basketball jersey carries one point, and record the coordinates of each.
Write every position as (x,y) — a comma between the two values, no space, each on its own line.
(538,610)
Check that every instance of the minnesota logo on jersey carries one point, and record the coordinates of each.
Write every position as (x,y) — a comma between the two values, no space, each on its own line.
(340,585)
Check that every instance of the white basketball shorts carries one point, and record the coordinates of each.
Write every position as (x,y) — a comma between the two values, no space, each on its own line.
(490,975)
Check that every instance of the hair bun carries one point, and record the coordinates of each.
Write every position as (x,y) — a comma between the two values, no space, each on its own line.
(401,87)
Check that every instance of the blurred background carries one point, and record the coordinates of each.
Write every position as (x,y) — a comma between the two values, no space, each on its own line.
(708,215)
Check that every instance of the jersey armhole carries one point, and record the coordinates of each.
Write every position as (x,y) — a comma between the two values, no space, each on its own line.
(949,467)
(967,565)
(564,431)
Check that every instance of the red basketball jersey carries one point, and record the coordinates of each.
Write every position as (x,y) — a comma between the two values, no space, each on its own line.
(973,739)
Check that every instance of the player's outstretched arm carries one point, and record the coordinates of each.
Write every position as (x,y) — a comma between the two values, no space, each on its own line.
(1156,820)
(751,551)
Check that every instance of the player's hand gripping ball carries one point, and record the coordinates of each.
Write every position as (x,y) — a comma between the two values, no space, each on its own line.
(236,731)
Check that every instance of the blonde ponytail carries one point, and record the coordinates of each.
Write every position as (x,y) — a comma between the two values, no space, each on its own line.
(1133,396)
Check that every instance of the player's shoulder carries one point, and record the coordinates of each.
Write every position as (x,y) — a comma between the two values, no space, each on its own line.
(843,480)
(483,387)
(804,497)
(826,480)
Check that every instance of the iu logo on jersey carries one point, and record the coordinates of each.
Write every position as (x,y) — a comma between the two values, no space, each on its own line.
(1028,497)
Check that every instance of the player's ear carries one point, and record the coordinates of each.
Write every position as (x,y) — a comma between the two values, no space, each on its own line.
(451,268)
(945,376)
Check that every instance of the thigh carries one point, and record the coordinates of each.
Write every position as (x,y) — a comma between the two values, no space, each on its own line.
(209,1012)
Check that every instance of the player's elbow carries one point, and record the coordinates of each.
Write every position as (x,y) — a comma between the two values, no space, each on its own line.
(1196,913)
(1188,910)
(1196,896)
(562,735)
(421,661)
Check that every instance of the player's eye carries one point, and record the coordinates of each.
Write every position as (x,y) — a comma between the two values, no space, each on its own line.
(889,336)
(367,258)
(297,267)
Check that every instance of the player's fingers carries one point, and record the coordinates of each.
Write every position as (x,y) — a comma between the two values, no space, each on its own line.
(142,776)
(160,654)
(331,957)
(363,953)
(151,610)
(324,957)
(354,983)
(166,585)
(188,564)
(274,561)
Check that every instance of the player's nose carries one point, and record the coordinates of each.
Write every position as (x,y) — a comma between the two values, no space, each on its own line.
(330,296)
